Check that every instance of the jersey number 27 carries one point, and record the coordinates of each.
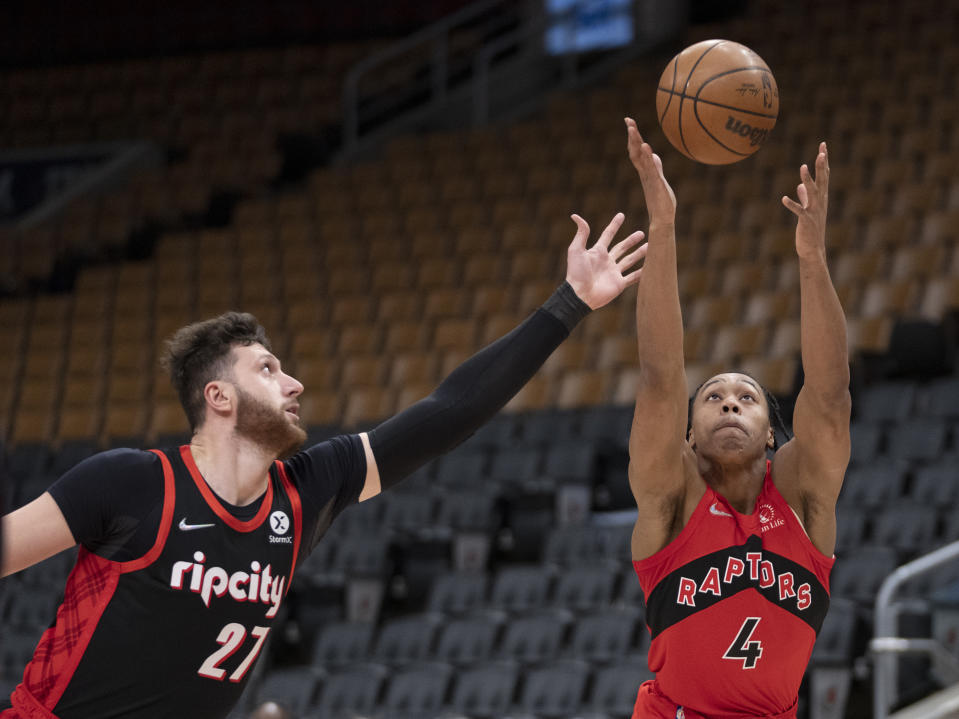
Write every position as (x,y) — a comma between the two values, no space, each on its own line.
(230,638)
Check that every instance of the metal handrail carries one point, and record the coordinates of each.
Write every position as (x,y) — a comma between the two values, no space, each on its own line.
(435,35)
(885,643)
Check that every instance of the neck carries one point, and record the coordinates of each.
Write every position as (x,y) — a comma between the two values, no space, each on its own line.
(739,483)
(236,469)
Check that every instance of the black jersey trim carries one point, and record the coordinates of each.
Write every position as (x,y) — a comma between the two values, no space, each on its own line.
(708,580)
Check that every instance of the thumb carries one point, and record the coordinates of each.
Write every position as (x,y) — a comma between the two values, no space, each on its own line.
(582,232)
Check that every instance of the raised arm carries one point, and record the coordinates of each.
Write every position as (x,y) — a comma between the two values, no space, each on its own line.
(479,388)
(810,468)
(657,439)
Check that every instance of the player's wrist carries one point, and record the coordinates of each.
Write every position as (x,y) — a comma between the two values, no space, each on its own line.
(567,306)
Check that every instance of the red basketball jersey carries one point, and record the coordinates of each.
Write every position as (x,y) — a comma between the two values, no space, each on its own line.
(733,606)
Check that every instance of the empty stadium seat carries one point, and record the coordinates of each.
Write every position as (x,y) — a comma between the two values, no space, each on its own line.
(469,640)
(554,690)
(485,690)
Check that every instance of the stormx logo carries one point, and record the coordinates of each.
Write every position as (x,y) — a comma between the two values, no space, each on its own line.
(280,524)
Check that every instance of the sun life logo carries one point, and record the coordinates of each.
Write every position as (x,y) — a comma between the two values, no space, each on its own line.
(767,516)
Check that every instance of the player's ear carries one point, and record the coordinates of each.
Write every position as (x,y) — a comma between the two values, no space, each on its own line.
(220,396)
(690,439)
(771,439)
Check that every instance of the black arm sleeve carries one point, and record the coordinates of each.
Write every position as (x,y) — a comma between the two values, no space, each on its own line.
(474,391)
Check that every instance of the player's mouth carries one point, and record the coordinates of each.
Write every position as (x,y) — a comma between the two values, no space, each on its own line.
(293,410)
(730,424)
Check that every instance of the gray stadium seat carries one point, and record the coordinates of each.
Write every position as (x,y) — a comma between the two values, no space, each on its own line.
(865,440)
(571,461)
(295,687)
(469,640)
(936,485)
(615,686)
(584,588)
(886,402)
(535,638)
(407,638)
(463,467)
(416,691)
(342,643)
(858,574)
(407,512)
(574,545)
(874,485)
(836,639)
(457,592)
(520,588)
(850,527)
(917,439)
(941,398)
(554,690)
(516,465)
(350,692)
(547,426)
(909,528)
(485,691)
(606,635)
(466,511)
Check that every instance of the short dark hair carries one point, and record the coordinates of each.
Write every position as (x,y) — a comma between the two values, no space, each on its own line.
(775,416)
(199,353)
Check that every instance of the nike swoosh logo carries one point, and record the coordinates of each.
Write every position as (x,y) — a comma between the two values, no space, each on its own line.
(713,509)
(187,527)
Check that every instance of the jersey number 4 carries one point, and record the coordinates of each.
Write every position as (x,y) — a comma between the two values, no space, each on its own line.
(230,638)
(743,648)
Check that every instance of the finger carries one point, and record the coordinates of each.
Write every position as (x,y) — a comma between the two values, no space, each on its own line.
(822,166)
(803,196)
(582,233)
(633,277)
(792,205)
(628,243)
(804,175)
(611,229)
(633,257)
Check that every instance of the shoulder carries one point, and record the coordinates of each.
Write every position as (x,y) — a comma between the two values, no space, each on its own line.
(340,454)
(118,460)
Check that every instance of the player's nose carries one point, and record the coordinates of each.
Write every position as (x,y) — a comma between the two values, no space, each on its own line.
(294,386)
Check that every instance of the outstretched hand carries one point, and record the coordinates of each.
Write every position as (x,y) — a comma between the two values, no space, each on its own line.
(660,198)
(813,194)
(600,274)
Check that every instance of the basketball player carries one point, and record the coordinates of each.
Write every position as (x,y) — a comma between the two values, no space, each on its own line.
(186,554)
(733,551)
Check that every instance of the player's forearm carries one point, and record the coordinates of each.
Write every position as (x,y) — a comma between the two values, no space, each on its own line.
(474,391)
(659,318)
(823,332)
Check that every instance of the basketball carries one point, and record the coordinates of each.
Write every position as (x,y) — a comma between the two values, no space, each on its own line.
(717,101)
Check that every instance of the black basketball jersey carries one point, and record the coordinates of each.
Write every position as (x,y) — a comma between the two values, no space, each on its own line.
(176,632)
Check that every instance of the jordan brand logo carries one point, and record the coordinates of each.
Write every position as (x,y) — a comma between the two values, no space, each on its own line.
(187,527)
(713,509)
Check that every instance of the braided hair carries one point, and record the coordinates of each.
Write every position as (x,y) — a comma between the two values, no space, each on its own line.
(775,416)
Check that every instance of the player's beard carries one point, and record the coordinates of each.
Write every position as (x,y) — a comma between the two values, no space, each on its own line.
(266,426)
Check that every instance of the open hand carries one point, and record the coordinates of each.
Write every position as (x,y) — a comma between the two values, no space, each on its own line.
(660,198)
(813,195)
(600,274)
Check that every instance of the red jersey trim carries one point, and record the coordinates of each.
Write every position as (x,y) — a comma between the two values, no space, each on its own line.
(214,502)
(297,506)
(166,519)
(59,660)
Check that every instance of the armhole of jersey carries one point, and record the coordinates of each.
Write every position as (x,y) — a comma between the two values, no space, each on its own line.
(297,506)
(653,561)
(821,559)
(166,519)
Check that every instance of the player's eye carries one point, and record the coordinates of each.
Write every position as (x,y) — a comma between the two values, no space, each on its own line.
(748,396)
(712,395)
